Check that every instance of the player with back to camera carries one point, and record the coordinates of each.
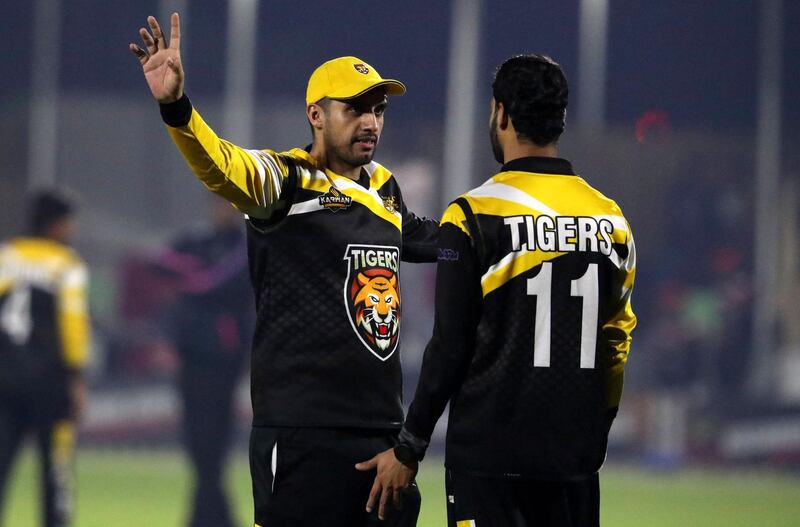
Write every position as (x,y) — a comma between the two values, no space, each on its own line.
(44,347)
(532,330)
(327,227)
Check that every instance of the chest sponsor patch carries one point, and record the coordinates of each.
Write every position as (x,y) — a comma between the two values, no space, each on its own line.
(335,200)
(372,296)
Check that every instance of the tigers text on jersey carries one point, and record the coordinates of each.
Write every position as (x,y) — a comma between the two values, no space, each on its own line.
(324,259)
(533,324)
(44,326)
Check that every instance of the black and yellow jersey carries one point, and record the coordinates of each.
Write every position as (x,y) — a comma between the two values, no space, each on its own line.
(324,256)
(533,325)
(44,323)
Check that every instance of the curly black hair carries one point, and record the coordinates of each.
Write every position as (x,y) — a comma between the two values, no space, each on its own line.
(534,93)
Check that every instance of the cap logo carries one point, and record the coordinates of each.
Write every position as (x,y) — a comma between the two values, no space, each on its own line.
(361,68)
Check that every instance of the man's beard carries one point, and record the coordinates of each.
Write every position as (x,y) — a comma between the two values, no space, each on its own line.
(497,149)
(346,153)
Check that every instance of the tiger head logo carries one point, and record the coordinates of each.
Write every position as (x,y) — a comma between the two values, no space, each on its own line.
(372,297)
(376,308)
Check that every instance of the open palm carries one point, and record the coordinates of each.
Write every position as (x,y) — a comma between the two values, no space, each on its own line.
(161,64)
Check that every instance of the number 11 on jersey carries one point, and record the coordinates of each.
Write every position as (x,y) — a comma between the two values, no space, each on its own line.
(585,287)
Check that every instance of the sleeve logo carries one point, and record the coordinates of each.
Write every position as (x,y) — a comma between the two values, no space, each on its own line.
(390,204)
(372,296)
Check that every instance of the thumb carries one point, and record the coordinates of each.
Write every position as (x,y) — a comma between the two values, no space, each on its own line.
(367,465)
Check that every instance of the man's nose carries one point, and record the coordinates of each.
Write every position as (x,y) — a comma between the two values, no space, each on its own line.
(369,121)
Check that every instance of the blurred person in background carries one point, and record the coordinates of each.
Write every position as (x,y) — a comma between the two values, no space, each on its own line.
(210,325)
(532,328)
(327,228)
(44,346)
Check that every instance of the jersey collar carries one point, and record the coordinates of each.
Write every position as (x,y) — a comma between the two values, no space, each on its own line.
(539,165)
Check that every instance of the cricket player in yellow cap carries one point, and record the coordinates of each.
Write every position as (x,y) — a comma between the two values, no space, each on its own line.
(327,228)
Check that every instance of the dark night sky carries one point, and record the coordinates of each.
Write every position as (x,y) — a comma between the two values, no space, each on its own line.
(697,61)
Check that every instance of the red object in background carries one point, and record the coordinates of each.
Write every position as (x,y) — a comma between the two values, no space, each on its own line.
(145,287)
(652,124)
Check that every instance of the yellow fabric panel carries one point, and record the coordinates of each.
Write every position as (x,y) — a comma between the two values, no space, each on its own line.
(379,177)
(454,214)
(563,195)
(368,198)
(569,195)
(374,204)
(74,317)
(617,331)
(250,179)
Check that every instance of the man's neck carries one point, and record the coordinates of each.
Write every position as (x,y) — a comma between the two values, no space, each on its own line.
(517,150)
(334,164)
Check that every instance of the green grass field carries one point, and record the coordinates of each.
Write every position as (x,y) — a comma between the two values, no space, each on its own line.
(149,488)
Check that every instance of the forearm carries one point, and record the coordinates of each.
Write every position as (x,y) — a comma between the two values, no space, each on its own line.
(449,352)
(249,179)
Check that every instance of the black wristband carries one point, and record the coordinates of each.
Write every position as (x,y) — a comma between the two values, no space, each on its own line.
(410,446)
(405,454)
(178,113)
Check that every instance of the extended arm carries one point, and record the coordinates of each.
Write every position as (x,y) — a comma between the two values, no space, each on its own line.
(420,237)
(250,179)
(447,357)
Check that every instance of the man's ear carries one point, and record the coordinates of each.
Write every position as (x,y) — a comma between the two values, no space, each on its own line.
(502,116)
(315,115)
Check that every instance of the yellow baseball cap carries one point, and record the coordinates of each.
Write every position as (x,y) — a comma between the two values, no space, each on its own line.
(345,78)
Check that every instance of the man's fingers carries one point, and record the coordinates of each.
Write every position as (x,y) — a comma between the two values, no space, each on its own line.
(157,34)
(367,465)
(138,52)
(147,38)
(384,498)
(397,499)
(175,31)
(376,487)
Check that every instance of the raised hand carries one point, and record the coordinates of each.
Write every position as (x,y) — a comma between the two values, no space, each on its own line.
(161,64)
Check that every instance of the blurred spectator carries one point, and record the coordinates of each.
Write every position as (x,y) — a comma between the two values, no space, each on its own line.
(210,325)
(44,344)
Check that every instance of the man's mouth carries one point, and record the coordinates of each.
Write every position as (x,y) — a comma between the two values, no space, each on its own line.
(366,142)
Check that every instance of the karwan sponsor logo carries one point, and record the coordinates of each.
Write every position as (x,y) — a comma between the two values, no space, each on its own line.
(335,200)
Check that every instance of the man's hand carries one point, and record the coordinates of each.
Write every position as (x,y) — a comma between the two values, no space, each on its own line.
(162,66)
(392,478)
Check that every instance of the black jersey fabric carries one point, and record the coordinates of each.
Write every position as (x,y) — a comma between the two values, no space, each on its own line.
(324,254)
(532,326)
